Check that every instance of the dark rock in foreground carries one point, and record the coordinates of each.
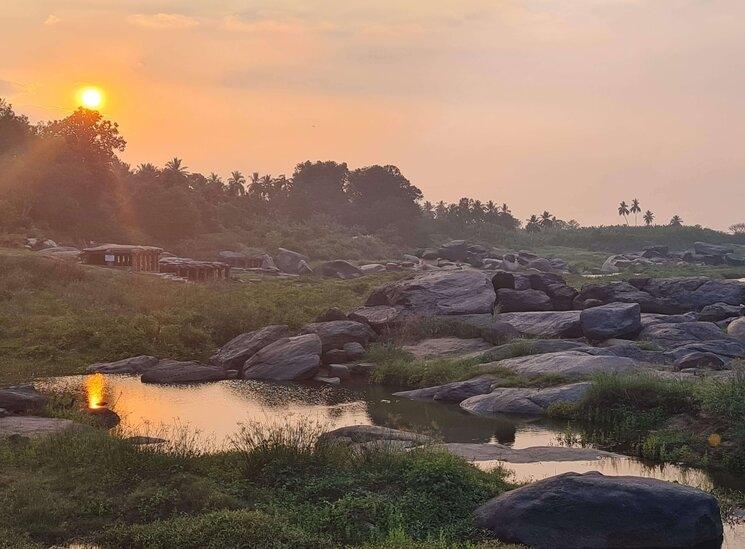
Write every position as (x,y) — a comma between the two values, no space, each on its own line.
(22,398)
(339,269)
(456,392)
(373,435)
(597,511)
(515,301)
(547,324)
(523,400)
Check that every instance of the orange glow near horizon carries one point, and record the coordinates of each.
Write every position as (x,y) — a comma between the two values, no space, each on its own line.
(90,97)
(95,387)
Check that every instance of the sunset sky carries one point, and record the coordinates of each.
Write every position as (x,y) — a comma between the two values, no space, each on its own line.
(565,105)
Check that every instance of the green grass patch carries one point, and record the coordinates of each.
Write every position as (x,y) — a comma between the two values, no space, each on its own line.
(276,488)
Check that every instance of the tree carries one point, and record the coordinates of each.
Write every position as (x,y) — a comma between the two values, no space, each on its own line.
(676,221)
(635,209)
(648,217)
(533,224)
(738,228)
(547,220)
(623,209)
(15,130)
(236,184)
(318,188)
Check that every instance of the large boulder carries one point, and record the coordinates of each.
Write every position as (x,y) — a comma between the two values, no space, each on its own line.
(692,293)
(455,250)
(623,292)
(531,347)
(21,399)
(720,311)
(286,359)
(548,324)
(612,320)
(339,269)
(288,261)
(439,293)
(456,392)
(736,329)
(132,365)
(523,401)
(514,301)
(670,335)
(490,329)
(175,371)
(373,268)
(336,334)
(235,352)
(567,364)
(591,510)
(704,248)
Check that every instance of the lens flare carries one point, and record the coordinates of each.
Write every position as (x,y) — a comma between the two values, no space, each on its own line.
(95,387)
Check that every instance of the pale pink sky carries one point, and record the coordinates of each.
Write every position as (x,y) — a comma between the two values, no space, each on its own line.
(566,105)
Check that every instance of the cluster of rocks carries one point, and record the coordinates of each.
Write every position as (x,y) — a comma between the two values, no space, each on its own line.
(18,406)
(325,351)
(458,252)
(702,253)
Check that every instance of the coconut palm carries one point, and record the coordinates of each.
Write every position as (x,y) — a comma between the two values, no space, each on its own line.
(176,166)
(676,221)
(648,217)
(623,209)
(547,220)
(533,225)
(236,184)
(635,209)
(505,209)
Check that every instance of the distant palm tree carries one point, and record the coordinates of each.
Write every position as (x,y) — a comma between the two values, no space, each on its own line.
(623,209)
(546,219)
(648,217)
(236,184)
(533,225)
(676,221)
(176,166)
(635,209)
(505,209)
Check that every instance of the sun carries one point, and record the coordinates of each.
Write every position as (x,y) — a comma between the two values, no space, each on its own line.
(90,97)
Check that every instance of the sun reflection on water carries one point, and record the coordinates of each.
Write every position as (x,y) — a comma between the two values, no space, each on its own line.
(95,387)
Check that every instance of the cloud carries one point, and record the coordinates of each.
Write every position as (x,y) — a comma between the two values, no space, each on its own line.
(51,20)
(163,21)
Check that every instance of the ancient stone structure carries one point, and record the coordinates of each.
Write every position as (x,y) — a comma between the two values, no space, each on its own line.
(191,269)
(138,258)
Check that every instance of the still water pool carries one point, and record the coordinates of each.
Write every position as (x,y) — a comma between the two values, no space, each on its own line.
(215,411)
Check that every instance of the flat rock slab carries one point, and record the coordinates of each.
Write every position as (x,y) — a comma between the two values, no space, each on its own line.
(132,365)
(592,510)
(457,391)
(447,347)
(569,364)
(175,371)
(439,293)
(35,427)
(546,324)
(287,359)
(489,328)
(378,317)
(373,434)
(337,333)
(534,454)
(523,400)
(671,335)
(611,321)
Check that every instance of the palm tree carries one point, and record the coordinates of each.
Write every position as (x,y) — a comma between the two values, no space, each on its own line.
(236,184)
(635,209)
(533,225)
(623,209)
(505,209)
(176,166)
(676,221)
(648,217)
(546,219)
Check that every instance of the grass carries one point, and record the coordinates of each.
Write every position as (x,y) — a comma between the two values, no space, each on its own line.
(275,488)
(695,423)
(57,317)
